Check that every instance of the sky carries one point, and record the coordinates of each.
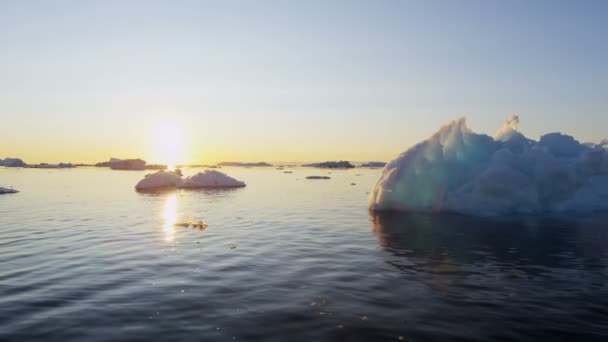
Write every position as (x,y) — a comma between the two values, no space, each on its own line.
(209,81)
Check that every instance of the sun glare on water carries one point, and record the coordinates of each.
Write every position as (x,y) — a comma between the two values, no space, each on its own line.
(169,146)
(170,217)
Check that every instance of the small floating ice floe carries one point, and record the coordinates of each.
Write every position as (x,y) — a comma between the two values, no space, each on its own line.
(198,224)
(159,181)
(211,179)
(318,177)
(7,191)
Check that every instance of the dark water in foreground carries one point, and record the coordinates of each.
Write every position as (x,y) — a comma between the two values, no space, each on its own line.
(84,257)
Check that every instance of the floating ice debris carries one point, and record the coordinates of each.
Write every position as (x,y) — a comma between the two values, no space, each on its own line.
(160,180)
(198,224)
(374,164)
(211,179)
(7,191)
(457,170)
(318,177)
(342,164)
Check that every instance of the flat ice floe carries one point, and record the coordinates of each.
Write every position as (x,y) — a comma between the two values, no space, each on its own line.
(7,191)
(159,180)
(457,170)
(211,179)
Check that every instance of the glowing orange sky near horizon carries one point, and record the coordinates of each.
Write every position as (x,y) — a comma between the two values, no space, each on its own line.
(298,81)
(175,143)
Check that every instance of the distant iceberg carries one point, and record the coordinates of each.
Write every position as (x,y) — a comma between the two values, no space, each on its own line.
(173,179)
(211,179)
(342,164)
(374,164)
(159,181)
(12,162)
(52,166)
(130,164)
(457,170)
(7,191)
(240,164)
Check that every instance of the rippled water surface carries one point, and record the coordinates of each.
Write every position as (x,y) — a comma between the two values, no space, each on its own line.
(85,257)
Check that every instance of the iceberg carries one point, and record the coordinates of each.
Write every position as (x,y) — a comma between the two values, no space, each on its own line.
(7,191)
(211,179)
(159,181)
(130,164)
(342,164)
(457,170)
(374,164)
(163,180)
(12,162)
(52,166)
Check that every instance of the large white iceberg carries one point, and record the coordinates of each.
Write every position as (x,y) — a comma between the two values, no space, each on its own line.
(159,180)
(457,170)
(211,179)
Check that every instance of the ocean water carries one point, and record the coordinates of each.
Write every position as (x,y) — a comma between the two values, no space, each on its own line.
(84,257)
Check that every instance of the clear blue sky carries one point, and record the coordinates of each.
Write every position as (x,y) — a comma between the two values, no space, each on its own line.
(292,80)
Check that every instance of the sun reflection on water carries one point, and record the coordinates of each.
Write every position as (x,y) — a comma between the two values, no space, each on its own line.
(170,217)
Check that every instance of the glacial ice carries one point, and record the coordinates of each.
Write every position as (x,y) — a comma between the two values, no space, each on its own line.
(211,179)
(7,191)
(173,179)
(457,170)
(159,180)
(12,162)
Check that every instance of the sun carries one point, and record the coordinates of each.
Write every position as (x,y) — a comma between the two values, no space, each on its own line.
(168,145)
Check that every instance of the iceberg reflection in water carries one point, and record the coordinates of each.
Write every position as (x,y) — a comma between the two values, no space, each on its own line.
(505,278)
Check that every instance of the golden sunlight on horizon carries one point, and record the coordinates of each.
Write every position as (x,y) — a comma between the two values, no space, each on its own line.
(168,145)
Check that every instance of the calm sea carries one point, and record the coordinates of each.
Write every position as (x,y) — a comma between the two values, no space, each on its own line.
(85,257)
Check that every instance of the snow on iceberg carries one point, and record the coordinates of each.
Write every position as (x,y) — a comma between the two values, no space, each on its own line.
(159,180)
(173,179)
(7,191)
(211,179)
(457,170)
